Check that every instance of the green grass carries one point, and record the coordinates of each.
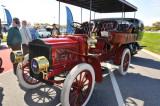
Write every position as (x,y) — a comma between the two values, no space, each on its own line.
(4,38)
(152,41)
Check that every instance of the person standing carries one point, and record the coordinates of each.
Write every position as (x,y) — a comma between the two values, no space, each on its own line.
(14,38)
(33,31)
(5,30)
(37,33)
(55,31)
(26,37)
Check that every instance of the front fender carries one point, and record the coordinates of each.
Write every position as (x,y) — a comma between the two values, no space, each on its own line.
(94,62)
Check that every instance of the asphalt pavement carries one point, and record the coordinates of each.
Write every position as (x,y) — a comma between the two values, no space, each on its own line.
(140,87)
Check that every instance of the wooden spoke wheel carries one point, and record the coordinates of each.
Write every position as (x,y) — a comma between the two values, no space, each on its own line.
(78,86)
(125,61)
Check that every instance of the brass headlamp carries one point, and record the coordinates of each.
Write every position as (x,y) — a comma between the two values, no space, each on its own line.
(16,56)
(40,64)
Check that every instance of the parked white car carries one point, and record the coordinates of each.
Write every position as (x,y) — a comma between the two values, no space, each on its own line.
(44,33)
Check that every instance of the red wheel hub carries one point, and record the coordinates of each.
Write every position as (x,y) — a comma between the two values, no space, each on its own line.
(80,88)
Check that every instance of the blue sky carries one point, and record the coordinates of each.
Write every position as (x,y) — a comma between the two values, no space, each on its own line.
(46,11)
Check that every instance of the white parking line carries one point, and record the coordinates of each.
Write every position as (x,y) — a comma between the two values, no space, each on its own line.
(115,86)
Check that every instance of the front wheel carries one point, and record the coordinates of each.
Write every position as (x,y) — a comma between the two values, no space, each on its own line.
(125,61)
(78,86)
(24,77)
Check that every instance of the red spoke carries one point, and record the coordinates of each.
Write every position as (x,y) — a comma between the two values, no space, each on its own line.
(82,94)
(83,77)
(27,71)
(86,84)
(80,79)
(31,79)
(74,86)
(76,81)
(79,99)
(86,80)
(76,99)
(73,97)
(72,92)
(27,78)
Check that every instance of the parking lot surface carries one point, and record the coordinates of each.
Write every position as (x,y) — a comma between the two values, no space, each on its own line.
(140,87)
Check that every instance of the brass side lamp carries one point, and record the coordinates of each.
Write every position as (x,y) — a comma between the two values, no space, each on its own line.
(16,56)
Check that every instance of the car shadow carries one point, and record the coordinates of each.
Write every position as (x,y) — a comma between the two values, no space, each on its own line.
(1,95)
(103,93)
(43,96)
(145,62)
(137,89)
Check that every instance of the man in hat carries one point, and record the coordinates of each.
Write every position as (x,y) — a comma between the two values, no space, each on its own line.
(55,31)
(14,38)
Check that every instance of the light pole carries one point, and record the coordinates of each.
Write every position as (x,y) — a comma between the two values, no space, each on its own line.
(54,19)
(3,11)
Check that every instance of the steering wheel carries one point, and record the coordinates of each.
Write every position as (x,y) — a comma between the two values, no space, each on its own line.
(76,25)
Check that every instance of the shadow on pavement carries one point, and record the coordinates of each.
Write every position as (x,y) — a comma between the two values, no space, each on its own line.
(103,93)
(1,95)
(138,90)
(2,47)
(1,70)
(43,96)
(145,62)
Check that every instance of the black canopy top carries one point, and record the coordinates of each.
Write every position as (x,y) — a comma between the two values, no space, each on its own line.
(103,6)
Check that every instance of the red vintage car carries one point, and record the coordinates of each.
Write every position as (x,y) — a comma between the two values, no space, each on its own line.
(76,58)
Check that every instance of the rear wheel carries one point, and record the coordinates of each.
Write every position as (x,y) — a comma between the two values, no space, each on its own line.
(125,61)
(24,77)
(78,86)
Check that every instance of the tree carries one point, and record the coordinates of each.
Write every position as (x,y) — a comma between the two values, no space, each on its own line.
(147,28)
(156,25)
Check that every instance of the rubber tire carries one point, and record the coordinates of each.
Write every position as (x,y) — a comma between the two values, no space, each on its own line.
(21,79)
(69,80)
(1,62)
(122,60)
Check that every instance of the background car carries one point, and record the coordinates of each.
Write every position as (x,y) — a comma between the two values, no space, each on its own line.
(44,33)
